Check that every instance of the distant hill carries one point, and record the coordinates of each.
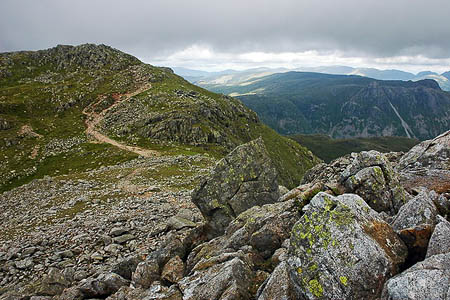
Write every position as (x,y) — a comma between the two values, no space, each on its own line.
(346,106)
(69,109)
(328,149)
(212,80)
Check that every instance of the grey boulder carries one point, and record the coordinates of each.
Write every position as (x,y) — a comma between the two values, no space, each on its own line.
(242,179)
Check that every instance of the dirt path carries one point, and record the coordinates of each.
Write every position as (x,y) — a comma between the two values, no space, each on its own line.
(94,118)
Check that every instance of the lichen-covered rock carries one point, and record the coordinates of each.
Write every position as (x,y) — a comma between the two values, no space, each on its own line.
(415,222)
(342,249)
(228,280)
(440,239)
(427,164)
(244,178)
(368,174)
(426,280)
(104,285)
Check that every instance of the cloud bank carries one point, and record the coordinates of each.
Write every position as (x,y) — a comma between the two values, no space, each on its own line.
(388,33)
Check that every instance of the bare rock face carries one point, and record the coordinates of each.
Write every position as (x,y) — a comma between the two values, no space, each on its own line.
(427,165)
(429,279)
(368,174)
(241,180)
(341,249)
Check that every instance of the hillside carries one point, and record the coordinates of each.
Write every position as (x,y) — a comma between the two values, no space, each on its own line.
(346,106)
(329,149)
(70,109)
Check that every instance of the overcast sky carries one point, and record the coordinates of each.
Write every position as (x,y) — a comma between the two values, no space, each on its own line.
(411,35)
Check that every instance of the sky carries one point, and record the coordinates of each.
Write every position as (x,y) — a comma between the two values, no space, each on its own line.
(410,35)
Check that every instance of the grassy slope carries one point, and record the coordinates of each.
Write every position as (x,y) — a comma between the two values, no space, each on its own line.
(328,149)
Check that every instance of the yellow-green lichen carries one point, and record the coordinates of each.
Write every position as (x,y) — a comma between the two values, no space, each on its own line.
(343,280)
(315,288)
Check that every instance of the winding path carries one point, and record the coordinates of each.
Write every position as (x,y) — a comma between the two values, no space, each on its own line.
(94,118)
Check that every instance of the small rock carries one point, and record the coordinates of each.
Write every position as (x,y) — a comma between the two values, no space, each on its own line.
(173,271)
(178,223)
(65,254)
(146,273)
(126,267)
(123,238)
(24,264)
(117,231)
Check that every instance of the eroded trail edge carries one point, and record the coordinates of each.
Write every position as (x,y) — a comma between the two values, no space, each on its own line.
(94,118)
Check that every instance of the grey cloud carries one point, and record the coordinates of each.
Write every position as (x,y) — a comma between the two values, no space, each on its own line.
(153,28)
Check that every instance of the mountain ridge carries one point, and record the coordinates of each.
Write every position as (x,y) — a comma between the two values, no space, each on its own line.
(233,77)
(345,106)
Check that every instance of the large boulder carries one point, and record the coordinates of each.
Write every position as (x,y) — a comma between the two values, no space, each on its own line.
(227,280)
(368,174)
(280,285)
(244,178)
(426,280)
(342,249)
(415,222)
(427,164)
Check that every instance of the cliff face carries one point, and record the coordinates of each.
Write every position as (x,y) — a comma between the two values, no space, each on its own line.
(347,106)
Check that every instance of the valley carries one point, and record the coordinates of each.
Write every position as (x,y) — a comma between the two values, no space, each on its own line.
(342,106)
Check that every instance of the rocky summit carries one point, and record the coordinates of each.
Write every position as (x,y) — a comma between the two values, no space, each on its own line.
(121,180)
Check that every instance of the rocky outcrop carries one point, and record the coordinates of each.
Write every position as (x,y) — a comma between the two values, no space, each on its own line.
(341,249)
(427,165)
(368,174)
(241,180)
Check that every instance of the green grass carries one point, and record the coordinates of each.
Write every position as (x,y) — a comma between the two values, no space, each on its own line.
(328,149)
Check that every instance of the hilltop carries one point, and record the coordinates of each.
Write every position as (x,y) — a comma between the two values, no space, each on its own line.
(73,108)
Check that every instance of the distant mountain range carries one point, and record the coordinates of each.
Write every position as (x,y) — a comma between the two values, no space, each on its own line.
(233,77)
(344,106)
